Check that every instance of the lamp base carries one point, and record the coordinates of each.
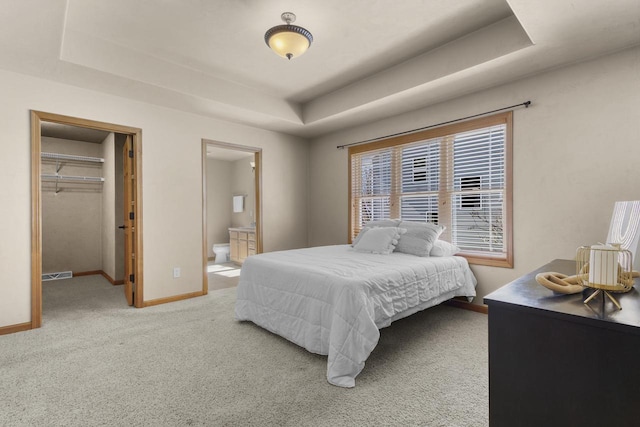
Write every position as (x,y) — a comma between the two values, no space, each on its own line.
(607,293)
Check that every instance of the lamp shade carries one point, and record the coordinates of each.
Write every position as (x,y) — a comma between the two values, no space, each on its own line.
(288,41)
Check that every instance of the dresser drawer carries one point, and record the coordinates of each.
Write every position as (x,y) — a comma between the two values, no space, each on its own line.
(233,234)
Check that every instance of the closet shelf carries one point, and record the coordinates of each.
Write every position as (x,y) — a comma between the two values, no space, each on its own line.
(61,160)
(71,178)
(70,157)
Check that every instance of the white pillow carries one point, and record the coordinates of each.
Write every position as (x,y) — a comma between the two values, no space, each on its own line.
(371,224)
(442,248)
(379,240)
(419,238)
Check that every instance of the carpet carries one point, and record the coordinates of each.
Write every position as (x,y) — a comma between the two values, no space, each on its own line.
(96,361)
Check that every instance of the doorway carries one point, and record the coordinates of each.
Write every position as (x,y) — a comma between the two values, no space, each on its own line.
(130,179)
(231,200)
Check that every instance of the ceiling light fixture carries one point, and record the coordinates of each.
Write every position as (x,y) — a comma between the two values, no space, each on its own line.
(288,40)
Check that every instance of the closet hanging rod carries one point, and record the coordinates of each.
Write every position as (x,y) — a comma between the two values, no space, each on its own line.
(58,156)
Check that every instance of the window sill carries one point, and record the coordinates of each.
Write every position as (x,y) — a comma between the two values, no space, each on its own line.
(488,260)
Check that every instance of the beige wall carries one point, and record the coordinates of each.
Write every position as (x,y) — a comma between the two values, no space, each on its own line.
(576,152)
(219,207)
(108,223)
(72,218)
(281,197)
(243,184)
(172,181)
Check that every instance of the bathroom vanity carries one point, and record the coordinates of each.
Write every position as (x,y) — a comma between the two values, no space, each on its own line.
(242,243)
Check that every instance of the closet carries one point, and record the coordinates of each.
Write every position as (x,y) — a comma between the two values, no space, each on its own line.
(81,178)
(60,172)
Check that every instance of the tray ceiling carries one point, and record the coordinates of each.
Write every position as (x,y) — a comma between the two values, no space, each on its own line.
(369,60)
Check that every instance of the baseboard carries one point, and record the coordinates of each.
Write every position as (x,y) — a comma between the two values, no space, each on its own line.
(86,273)
(100,272)
(172,299)
(468,306)
(113,282)
(11,329)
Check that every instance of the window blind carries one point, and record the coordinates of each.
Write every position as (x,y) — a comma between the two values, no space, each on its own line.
(419,183)
(476,185)
(458,178)
(371,188)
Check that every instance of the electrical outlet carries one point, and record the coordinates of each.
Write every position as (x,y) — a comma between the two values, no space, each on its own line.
(176,272)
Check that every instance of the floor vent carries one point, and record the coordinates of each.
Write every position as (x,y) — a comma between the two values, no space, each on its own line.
(57,276)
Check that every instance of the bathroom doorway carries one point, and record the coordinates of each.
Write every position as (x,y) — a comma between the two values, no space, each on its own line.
(231,210)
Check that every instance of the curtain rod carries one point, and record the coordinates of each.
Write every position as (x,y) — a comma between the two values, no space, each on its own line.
(525,104)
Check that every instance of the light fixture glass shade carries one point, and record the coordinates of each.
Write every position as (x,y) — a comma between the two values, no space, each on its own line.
(288,40)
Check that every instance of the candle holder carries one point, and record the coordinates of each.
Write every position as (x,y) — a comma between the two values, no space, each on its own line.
(606,268)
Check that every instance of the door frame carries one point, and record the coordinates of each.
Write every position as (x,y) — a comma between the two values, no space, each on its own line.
(37,117)
(129,200)
(257,158)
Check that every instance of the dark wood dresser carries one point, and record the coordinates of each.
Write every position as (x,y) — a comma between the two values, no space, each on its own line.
(554,361)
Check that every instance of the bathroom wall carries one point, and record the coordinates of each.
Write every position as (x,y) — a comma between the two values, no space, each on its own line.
(243,183)
(219,201)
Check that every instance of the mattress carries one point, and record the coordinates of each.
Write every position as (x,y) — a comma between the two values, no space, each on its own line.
(332,300)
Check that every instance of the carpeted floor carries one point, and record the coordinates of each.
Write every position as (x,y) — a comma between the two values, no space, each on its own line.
(189,363)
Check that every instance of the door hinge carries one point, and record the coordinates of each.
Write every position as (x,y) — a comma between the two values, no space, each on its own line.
(131,215)
(132,278)
(131,154)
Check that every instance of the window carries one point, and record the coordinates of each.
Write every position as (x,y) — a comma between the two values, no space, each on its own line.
(458,176)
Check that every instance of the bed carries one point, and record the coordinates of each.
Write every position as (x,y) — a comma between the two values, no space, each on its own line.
(332,300)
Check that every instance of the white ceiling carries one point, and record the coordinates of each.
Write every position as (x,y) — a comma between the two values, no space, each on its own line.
(370,58)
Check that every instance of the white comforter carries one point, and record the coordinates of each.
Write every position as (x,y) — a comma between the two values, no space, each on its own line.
(332,300)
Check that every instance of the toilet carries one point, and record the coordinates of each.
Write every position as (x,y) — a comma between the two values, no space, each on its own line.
(221,250)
